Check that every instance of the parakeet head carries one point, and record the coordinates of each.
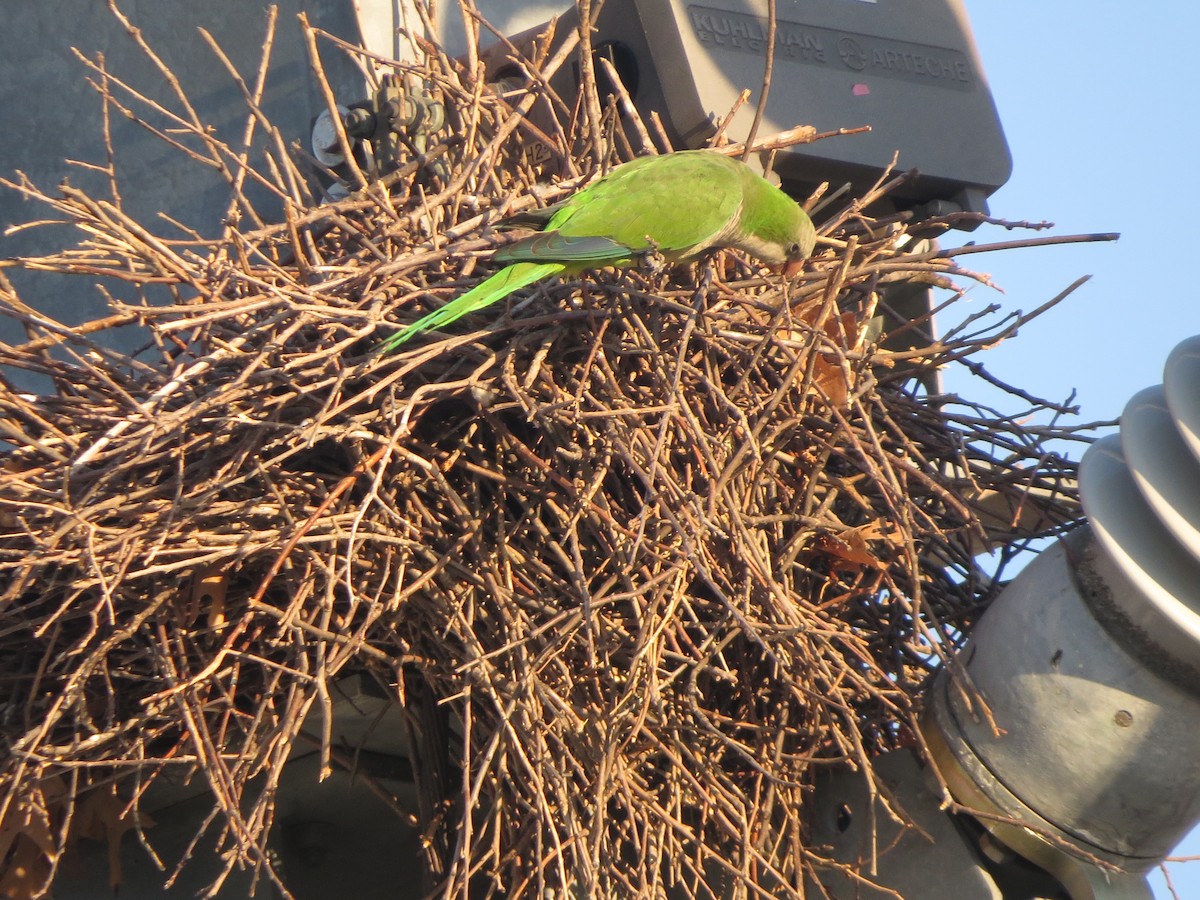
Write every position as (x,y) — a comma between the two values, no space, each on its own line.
(801,247)
(773,226)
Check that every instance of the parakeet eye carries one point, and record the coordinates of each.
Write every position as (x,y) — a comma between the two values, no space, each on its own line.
(794,250)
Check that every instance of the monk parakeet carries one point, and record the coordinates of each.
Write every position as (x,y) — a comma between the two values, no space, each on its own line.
(679,205)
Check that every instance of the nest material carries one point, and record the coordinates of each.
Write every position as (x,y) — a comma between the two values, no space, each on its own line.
(659,542)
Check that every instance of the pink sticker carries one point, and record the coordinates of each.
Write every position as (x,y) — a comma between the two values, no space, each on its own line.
(861,90)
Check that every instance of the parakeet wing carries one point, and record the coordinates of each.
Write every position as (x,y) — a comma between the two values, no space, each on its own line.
(586,249)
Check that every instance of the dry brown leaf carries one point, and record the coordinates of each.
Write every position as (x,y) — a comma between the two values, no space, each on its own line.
(102,815)
(25,871)
(28,847)
(849,549)
(210,586)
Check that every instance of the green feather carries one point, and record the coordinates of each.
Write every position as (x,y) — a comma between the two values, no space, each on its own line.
(499,286)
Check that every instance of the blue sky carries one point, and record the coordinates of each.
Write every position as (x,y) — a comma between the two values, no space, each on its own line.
(1098,103)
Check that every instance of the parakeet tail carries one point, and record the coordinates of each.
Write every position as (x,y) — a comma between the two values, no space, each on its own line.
(487,292)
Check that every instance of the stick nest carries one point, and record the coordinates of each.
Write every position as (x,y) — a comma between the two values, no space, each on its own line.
(658,544)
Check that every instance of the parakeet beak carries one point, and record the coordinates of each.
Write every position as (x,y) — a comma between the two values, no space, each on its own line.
(792,268)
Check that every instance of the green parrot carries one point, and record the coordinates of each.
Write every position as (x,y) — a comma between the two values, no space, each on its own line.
(679,204)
